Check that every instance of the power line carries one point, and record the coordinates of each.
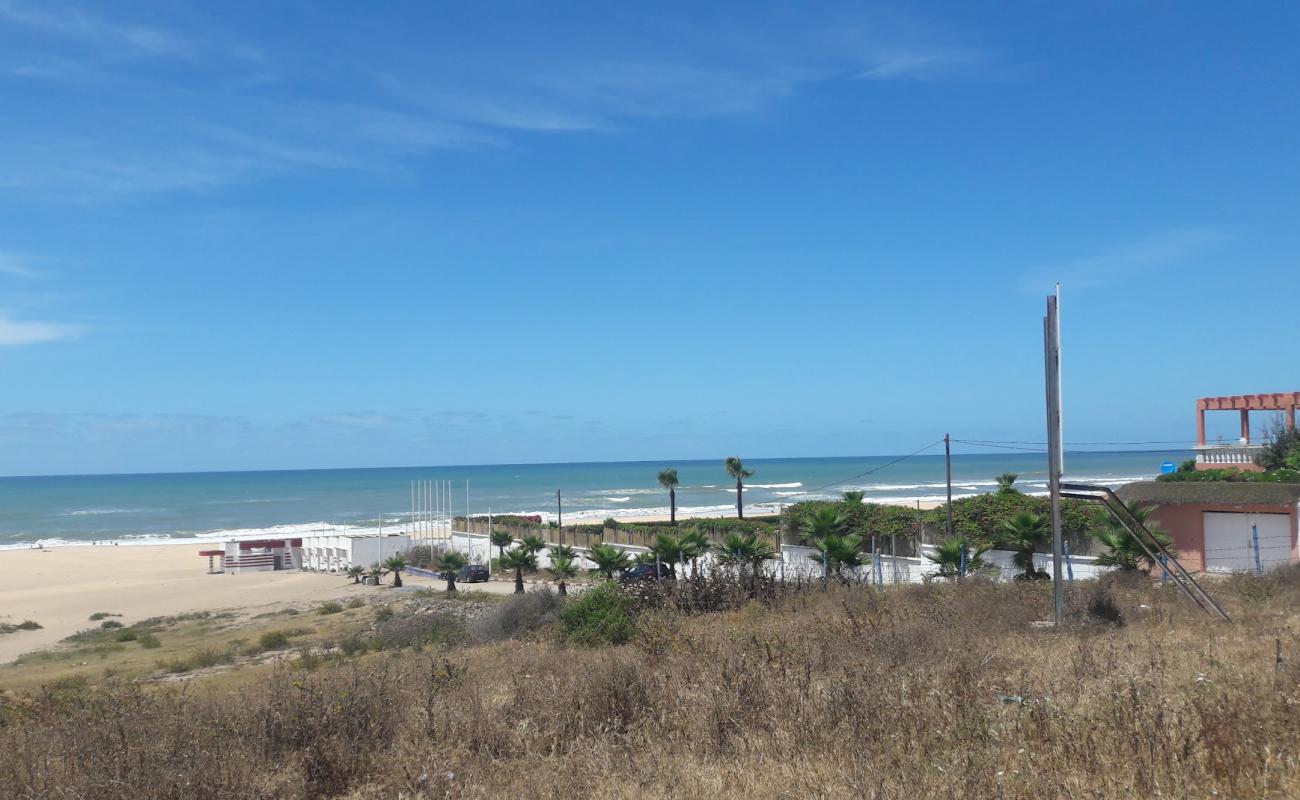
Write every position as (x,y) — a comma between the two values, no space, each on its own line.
(872,470)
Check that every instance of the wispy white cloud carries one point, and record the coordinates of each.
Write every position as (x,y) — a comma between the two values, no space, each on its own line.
(236,110)
(75,22)
(1117,264)
(17,266)
(16,332)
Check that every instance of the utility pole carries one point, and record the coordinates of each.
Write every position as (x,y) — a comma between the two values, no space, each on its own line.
(1055,465)
(559,515)
(947,459)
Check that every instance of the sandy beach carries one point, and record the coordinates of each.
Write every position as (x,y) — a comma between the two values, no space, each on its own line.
(61,587)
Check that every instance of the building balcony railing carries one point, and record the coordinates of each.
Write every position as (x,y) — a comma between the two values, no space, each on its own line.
(1213,456)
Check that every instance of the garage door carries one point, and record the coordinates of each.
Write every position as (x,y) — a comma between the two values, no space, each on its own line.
(1229,543)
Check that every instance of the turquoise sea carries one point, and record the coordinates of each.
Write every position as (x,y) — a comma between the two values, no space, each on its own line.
(145,508)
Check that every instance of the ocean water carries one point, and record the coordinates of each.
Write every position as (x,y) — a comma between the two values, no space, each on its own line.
(136,509)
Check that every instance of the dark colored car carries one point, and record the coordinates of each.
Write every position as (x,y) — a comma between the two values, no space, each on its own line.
(645,572)
(472,573)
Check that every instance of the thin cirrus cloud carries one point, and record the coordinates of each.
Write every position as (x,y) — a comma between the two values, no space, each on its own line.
(1115,265)
(18,332)
(198,108)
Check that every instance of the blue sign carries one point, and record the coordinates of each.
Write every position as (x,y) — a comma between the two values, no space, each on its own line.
(1168,467)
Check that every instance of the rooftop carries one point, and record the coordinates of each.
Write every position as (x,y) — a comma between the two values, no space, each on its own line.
(1217,492)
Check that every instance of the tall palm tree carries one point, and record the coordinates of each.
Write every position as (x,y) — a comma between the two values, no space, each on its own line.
(355,573)
(1006,483)
(395,565)
(501,539)
(608,559)
(745,551)
(736,469)
(950,558)
(562,569)
(1023,534)
(519,559)
(533,544)
(694,545)
(450,563)
(562,551)
(668,480)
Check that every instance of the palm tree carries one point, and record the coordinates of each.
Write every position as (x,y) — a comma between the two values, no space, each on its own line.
(450,562)
(694,544)
(355,573)
(668,550)
(958,556)
(377,572)
(608,559)
(562,569)
(745,551)
(395,565)
(668,480)
(501,539)
(736,469)
(1006,483)
(562,551)
(836,553)
(533,544)
(1125,553)
(519,559)
(854,498)
(822,524)
(1024,533)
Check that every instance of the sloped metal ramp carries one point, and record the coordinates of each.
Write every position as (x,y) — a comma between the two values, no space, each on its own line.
(1149,544)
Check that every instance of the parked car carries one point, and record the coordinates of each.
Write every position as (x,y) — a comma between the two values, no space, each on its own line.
(645,572)
(472,573)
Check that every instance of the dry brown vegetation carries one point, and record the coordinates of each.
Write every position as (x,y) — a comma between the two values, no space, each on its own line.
(928,691)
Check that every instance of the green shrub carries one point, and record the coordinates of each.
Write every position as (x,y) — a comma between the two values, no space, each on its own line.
(126,635)
(329,608)
(353,645)
(98,615)
(149,641)
(520,613)
(28,625)
(273,640)
(357,601)
(419,629)
(601,616)
(110,624)
(383,614)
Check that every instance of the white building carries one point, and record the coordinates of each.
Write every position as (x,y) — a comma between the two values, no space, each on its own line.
(261,555)
(337,552)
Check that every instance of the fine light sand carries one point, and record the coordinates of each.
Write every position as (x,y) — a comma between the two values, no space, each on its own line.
(61,587)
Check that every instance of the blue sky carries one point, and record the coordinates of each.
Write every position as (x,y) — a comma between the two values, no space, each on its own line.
(277,235)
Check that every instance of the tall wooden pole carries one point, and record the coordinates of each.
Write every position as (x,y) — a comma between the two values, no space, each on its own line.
(1051,356)
(559,516)
(947,459)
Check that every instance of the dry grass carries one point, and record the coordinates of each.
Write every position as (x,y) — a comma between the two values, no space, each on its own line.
(936,691)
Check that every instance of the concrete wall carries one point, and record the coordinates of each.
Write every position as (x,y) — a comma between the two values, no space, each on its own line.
(1185,523)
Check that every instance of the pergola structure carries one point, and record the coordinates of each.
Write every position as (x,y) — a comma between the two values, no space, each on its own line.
(1239,455)
(1244,404)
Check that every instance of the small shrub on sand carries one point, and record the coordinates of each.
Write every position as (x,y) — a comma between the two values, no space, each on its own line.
(601,616)
(98,615)
(357,601)
(273,640)
(353,646)
(28,625)
(419,630)
(383,614)
(329,608)
(110,624)
(149,641)
(126,635)
(520,614)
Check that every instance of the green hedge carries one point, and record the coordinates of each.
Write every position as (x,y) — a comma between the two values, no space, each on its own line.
(1231,476)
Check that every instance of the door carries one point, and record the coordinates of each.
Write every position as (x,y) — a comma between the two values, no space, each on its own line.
(1230,541)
